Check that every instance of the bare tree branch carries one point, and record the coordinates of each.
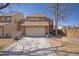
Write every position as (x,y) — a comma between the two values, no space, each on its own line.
(60,11)
(4,5)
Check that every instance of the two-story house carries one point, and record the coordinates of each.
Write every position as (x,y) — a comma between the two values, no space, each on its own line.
(36,25)
(9,23)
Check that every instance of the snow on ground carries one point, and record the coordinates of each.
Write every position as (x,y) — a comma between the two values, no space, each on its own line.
(32,45)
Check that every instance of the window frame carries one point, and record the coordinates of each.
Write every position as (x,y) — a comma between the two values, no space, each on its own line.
(5,19)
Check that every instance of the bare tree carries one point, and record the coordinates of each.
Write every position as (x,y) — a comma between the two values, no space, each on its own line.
(3,5)
(59,11)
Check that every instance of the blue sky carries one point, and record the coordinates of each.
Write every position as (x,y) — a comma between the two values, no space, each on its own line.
(31,8)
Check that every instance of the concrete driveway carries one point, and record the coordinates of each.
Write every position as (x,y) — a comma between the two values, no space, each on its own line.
(32,46)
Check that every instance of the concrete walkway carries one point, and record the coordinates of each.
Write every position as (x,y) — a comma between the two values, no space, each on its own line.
(32,46)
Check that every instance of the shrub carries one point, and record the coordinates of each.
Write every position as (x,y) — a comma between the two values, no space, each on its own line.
(7,36)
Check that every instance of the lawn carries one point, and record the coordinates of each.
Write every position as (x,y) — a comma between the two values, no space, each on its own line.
(4,43)
(70,44)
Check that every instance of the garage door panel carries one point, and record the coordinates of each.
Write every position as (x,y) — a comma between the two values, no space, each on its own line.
(35,31)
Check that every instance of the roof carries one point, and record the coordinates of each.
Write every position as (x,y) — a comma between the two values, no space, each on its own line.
(3,24)
(9,14)
(37,15)
(28,23)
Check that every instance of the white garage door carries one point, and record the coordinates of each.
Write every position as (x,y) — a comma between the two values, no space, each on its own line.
(35,31)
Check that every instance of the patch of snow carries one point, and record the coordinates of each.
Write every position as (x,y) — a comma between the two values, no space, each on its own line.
(36,45)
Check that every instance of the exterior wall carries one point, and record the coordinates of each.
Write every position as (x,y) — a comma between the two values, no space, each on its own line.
(1,18)
(47,29)
(23,29)
(12,26)
(50,26)
(1,31)
(15,20)
(17,17)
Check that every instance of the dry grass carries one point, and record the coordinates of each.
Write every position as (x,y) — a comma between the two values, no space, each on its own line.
(71,44)
(54,42)
(4,43)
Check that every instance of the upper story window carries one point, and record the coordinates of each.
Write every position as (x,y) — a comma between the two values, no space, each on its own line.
(8,19)
(36,18)
(42,19)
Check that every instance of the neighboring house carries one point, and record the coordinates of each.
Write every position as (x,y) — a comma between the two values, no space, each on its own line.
(36,25)
(9,23)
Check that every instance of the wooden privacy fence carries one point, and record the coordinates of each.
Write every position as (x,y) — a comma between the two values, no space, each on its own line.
(71,32)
